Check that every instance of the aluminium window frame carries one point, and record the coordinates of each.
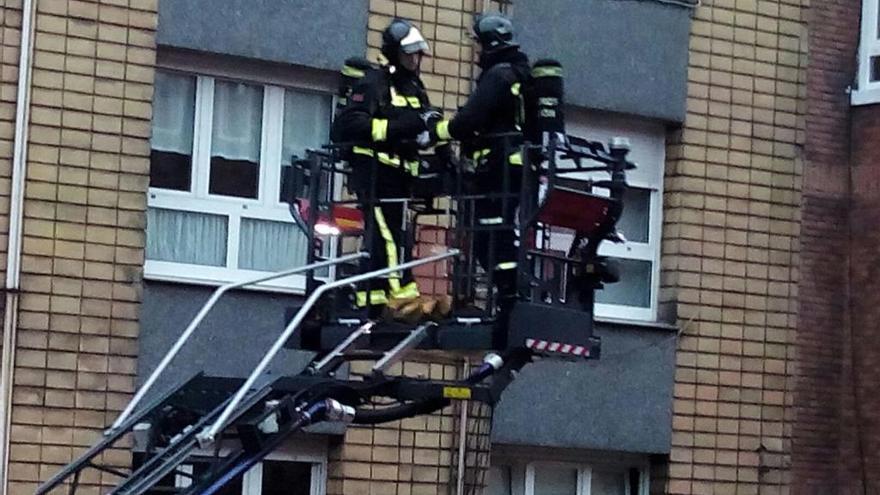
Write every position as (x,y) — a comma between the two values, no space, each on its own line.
(865,91)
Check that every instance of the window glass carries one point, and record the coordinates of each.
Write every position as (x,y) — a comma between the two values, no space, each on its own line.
(236,136)
(875,69)
(498,482)
(186,237)
(633,288)
(306,125)
(554,480)
(286,478)
(171,142)
(634,222)
(607,483)
(270,246)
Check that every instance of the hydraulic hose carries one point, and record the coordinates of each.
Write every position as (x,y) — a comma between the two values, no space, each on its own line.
(377,416)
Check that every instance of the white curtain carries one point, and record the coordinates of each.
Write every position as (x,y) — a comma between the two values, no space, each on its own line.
(270,246)
(174,101)
(238,117)
(306,123)
(186,237)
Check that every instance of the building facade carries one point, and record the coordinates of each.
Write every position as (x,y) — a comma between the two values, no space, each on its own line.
(146,148)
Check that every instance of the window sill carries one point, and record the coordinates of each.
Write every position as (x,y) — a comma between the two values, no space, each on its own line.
(215,277)
(865,96)
(648,325)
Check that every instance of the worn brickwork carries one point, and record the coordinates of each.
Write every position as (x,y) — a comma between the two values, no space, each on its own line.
(865,297)
(83,246)
(730,251)
(826,457)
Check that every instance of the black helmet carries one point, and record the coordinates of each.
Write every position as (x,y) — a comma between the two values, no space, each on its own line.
(401,36)
(494,32)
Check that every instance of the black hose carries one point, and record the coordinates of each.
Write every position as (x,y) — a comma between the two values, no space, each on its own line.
(377,416)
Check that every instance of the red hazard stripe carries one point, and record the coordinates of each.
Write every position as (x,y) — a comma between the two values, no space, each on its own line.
(557,347)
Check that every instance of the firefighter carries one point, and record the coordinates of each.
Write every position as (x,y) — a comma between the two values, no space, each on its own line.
(384,119)
(496,106)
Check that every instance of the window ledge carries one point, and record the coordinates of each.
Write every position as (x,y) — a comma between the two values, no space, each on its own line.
(648,325)
(168,272)
(865,96)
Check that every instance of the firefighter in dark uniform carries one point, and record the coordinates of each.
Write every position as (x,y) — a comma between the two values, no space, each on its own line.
(383,118)
(496,106)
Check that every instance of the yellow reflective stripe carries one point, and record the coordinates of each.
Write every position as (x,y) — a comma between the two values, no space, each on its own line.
(350,71)
(387,159)
(443,130)
(360,150)
(507,265)
(491,221)
(412,167)
(547,72)
(377,296)
(515,88)
(390,247)
(380,129)
(408,291)
(414,101)
(515,158)
(481,153)
(398,101)
(462,393)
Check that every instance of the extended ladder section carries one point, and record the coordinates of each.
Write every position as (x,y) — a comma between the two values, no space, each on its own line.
(248,416)
(236,422)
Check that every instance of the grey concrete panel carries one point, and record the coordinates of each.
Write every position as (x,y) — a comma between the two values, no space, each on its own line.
(230,341)
(627,56)
(621,402)
(303,32)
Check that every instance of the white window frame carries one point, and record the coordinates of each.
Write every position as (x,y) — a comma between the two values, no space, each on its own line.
(314,453)
(584,477)
(867,92)
(651,162)
(198,199)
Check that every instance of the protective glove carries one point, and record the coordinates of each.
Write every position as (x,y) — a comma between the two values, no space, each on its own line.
(408,125)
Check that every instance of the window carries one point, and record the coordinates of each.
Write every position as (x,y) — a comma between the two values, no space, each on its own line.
(565,478)
(868,78)
(634,297)
(221,153)
(270,477)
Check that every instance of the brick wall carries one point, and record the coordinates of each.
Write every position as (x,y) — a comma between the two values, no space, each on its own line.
(730,251)
(865,295)
(415,455)
(833,434)
(84,224)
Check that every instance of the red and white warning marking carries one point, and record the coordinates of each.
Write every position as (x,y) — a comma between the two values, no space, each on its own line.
(557,347)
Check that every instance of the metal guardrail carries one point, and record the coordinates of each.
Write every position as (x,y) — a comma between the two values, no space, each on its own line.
(209,434)
(201,315)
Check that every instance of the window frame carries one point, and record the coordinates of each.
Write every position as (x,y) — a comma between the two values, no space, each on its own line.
(648,176)
(526,473)
(303,451)
(865,91)
(265,207)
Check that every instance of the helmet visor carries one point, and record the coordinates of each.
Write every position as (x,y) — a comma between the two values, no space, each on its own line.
(413,42)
